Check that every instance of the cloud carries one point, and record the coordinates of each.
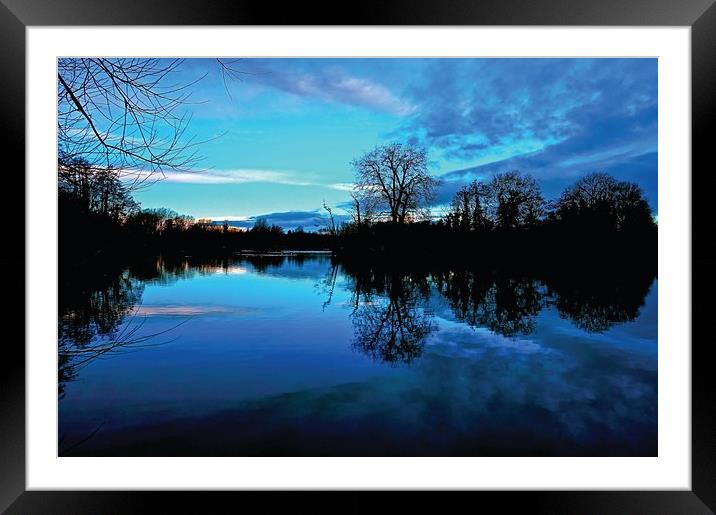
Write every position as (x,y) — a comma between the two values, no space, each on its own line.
(237,176)
(342,186)
(493,109)
(333,84)
(309,220)
(557,119)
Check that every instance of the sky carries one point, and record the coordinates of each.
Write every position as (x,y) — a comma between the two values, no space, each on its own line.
(278,140)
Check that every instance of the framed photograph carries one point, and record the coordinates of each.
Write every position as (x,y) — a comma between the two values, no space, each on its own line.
(422,249)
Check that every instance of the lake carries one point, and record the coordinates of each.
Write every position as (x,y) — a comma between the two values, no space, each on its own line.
(304,355)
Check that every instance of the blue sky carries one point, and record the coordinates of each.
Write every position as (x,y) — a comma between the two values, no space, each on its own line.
(280,140)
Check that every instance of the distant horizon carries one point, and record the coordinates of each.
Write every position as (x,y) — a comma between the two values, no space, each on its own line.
(310,219)
(280,141)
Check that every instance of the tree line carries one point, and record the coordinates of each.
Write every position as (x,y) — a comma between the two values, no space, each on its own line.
(393,185)
(390,214)
(98,216)
(513,200)
(503,216)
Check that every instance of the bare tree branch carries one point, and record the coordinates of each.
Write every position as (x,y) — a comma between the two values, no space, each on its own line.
(128,114)
(396,178)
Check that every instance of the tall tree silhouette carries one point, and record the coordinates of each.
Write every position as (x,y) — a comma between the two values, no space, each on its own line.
(470,208)
(89,189)
(362,208)
(518,200)
(396,175)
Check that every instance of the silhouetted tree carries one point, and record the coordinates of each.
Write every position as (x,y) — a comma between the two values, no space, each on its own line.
(518,200)
(150,223)
(263,228)
(470,208)
(461,214)
(599,202)
(332,229)
(89,189)
(362,208)
(261,225)
(123,113)
(397,177)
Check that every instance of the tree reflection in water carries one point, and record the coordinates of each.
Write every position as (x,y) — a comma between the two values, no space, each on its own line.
(92,306)
(391,310)
(98,312)
(97,305)
(389,325)
(503,304)
(601,298)
(391,320)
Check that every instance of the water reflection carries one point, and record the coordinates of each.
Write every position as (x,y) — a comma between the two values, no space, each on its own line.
(504,304)
(602,297)
(389,323)
(390,310)
(306,355)
(92,306)
(391,313)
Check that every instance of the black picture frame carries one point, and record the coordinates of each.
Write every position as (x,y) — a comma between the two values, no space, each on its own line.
(700,15)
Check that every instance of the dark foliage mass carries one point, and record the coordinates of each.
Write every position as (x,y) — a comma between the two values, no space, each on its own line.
(505,218)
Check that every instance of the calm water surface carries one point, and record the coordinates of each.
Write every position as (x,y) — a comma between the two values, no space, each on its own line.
(304,356)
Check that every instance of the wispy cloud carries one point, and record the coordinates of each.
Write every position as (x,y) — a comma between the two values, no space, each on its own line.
(236,176)
(342,186)
(333,84)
